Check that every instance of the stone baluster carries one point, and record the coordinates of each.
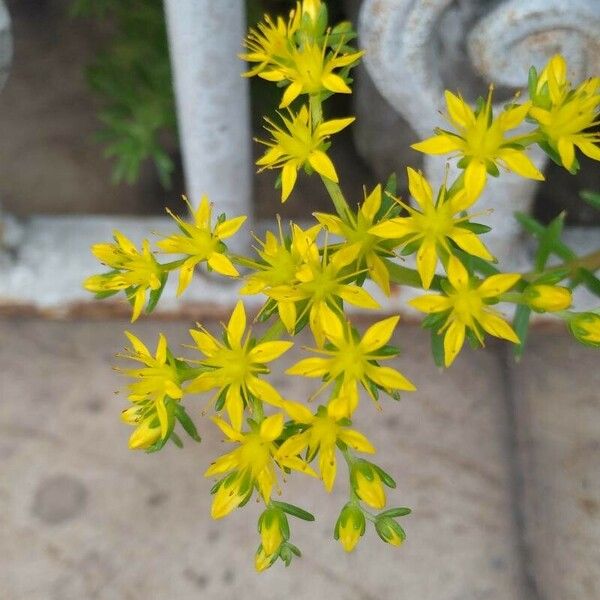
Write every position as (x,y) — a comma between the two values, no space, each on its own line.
(212,100)
(401,39)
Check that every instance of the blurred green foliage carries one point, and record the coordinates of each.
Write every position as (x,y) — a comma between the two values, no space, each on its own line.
(132,76)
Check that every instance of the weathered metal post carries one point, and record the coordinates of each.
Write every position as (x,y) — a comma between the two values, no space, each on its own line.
(212,100)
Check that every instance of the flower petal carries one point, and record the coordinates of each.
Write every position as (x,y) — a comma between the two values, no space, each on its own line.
(453,341)
(419,188)
(378,334)
(498,284)
(268,351)
(495,325)
(236,325)
(389,378)
(221,264)
(431,303)
(322,164)
(271,427)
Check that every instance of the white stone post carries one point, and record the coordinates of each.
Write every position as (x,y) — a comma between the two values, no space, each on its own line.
(399,39)
(212,100)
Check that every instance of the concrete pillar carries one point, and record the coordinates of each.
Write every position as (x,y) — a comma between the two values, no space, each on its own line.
(212,100)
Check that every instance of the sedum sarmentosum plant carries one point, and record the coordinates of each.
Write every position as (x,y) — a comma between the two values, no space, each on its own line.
(307,278)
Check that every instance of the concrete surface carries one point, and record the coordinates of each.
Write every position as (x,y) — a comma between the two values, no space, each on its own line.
(82,517)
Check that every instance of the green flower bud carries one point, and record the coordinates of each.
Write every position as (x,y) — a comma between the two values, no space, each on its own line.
(389,530)
(585,328)
(350,526)
(548,298)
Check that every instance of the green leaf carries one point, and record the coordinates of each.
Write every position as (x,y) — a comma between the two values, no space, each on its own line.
(395,512)
(592,198)
(186,422)
(477,228)
(521,327)
(437,348)
(532,81)
(591,282)
(293,510)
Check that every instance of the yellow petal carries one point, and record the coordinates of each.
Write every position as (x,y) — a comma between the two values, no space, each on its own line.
(163,417)
(589,149)
(419,188)
(322,164)
(137,345)
(298,412)
(430,303)
(271,427)
(206,343)
(357,296)
(334,83)
(378,272)
(228,228)
(457,274)
(395,228)
(138,303)
(221,264)
(202,214)
(498,284)
(236,325)
(513,117)
(459,111)
(310,367)
(223,464)
(356,440)
(328,467)
(289,174)
(518,162)
(291,93)
(287,314)
(439,144)
(453,341)
(498,327)
(229,431)
(378,334)
(475,178)
(389,378)
(469,242)
(265,391)
(426,262)
(186,272)
(268,351)
(235,406)
(567,152)
(333,126)
(372,204)
(330,222)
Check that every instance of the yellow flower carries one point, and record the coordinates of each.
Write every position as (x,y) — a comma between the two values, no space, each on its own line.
(135,272)
(321,436)
(251,464)
(481,143)
(467,306)
(350,526)
(549,298)
(357,234)
(567,117)
(349,360)
(233,366)
(585,327)
(271,42)
(433,225)
(201,242)
(155,384)
(320,282)
(311,71)
(300,146)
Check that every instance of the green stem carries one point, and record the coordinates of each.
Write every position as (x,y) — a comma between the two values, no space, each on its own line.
(274,332)
(589,262)
(333,189)
(405,276)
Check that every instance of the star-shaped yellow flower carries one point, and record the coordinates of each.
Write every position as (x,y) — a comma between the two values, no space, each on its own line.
(567,117)
(320,436)
(467,304)
(250,465)
(349,360)
(234,365)
(320,283)
(358,234)
(299,145)
(134,271)
(201,242)
(432,225)
(481,143)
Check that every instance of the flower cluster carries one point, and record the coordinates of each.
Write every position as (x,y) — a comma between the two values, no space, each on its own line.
(308,277)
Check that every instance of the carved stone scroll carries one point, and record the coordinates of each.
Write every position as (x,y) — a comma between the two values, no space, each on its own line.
(402,57)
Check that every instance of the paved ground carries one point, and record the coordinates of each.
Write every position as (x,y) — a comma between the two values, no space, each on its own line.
(499,462)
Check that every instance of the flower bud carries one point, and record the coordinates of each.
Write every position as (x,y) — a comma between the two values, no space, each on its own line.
(550,298)
(367,484)
(350,526)
(262,560)
(144,435)
(389,530)
(271,527)
(585,328)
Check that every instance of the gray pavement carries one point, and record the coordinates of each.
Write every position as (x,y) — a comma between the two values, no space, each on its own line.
(499,462)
